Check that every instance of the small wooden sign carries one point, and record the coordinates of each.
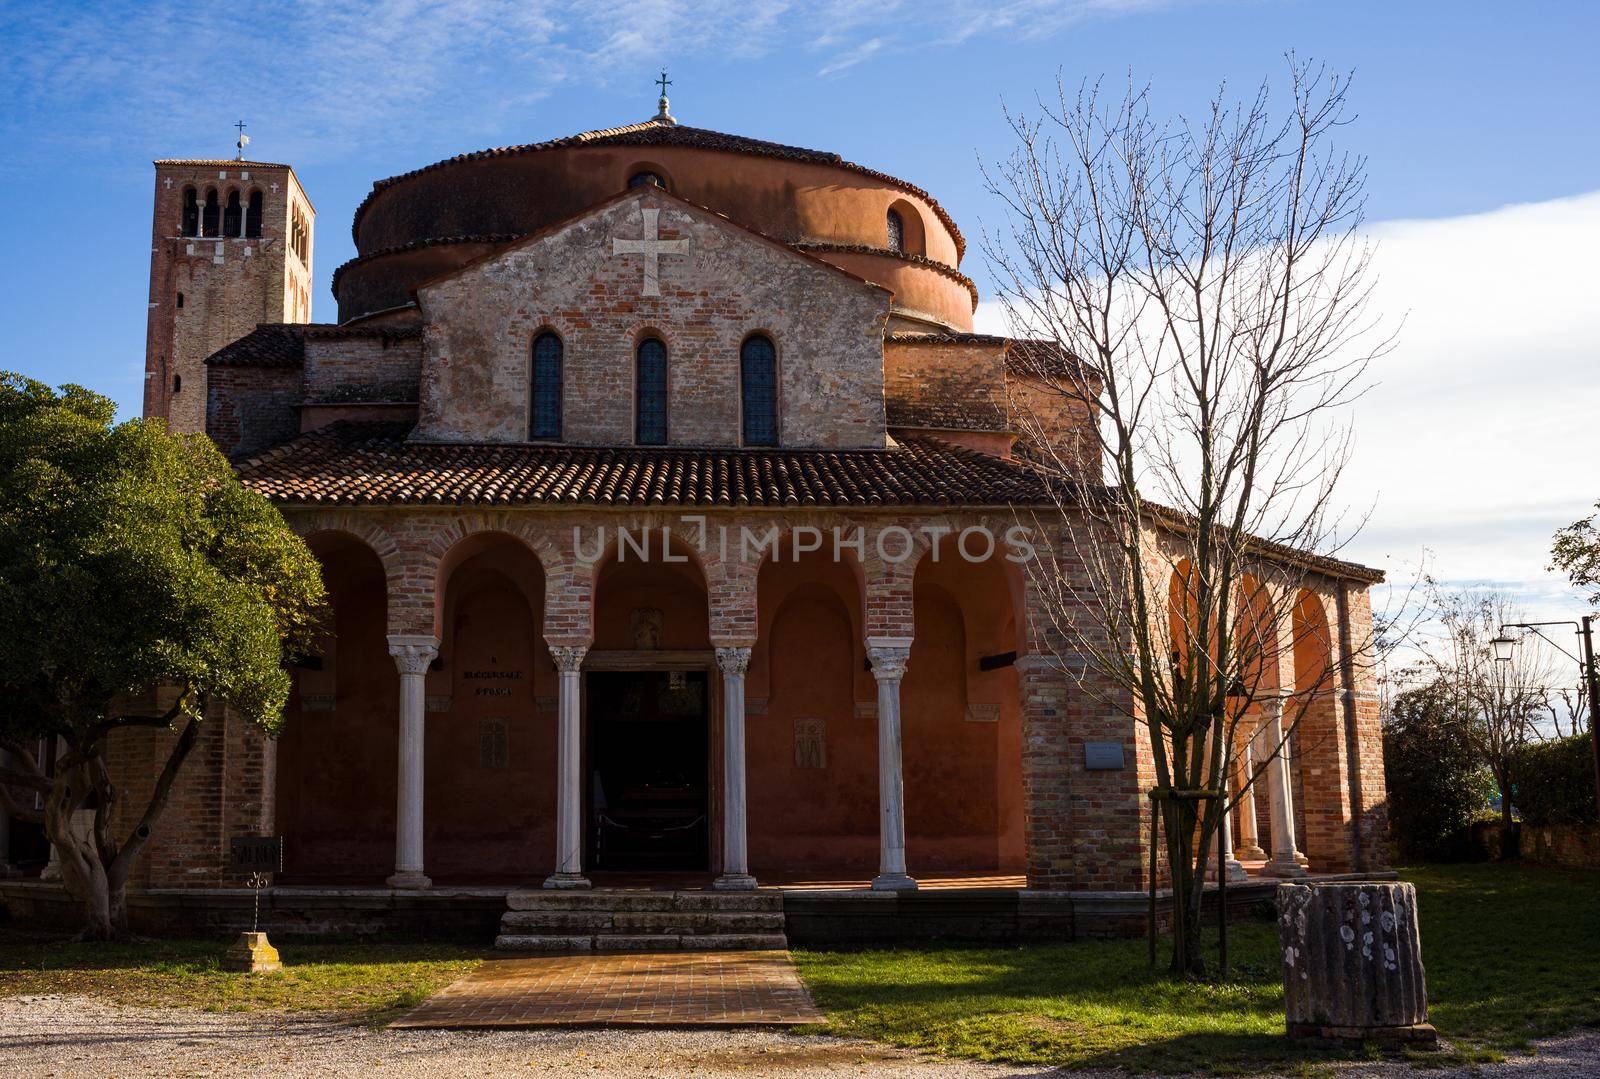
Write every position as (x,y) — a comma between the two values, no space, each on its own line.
(257,853)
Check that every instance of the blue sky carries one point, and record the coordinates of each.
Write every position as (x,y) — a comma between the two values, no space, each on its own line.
(1464,109)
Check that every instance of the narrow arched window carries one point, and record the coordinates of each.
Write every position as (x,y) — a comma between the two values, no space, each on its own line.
(252,217)
(650,394)
(544,409)
(758,391)
(233,216)
(897,231)
(640,179)
(180,299)
(211,221)
(191,212)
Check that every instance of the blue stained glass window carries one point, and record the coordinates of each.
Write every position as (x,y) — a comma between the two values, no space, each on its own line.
(650,426)
(544,415)
(758,390)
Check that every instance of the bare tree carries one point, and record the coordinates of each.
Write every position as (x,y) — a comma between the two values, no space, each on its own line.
(1197,291)
(1505,699)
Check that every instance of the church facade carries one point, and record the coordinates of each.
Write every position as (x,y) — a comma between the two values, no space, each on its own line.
(673,521)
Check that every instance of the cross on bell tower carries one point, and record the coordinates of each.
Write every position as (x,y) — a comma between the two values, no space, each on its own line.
(244,140)
(662,115)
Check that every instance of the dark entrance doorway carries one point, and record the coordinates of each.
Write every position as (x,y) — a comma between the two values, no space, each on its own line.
(647,804)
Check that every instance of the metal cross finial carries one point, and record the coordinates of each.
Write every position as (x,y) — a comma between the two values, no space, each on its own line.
(664,82)
(244,140)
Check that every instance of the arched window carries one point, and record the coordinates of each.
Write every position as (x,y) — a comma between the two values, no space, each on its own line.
(897,231)
(211,222)
(191,212)
(233,216)
(252,217)
(639,179)
(650,396)
(180,299)
(758,391)
(544,408)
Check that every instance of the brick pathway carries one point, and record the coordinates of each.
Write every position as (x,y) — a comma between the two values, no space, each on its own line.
(623,989)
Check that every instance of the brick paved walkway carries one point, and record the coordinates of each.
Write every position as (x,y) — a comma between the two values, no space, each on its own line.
(623,989)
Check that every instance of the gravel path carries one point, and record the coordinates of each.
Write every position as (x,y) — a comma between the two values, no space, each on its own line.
(53,1036)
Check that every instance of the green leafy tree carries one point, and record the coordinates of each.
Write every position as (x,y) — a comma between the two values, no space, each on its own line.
(131,560)
(1435,777)
(1575,551)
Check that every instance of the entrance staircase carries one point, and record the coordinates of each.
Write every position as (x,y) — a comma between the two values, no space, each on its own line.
(620,920)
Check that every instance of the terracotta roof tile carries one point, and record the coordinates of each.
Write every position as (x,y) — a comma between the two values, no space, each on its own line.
(268,345)
(351,463)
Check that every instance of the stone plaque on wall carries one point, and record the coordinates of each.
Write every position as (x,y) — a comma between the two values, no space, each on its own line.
(810,742)
(494,742)
(983,713)
(866,709)
(546,704)
(437,702)
(316,702)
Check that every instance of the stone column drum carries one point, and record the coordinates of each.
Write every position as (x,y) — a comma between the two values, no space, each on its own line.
(889,656)
(1352,962)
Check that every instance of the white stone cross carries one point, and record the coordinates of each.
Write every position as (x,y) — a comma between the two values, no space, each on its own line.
(652,247)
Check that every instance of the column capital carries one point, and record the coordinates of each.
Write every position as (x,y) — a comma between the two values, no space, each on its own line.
(889,656)
(733,661)
(568,657)
(413,652)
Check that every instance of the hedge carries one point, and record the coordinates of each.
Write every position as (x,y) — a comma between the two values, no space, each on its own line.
(1436,784)
(1555,781)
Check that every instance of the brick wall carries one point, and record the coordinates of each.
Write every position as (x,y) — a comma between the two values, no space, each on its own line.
(827,326)
(953,386)
(364,366)
(252,408)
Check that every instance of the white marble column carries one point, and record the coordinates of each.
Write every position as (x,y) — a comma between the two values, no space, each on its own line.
(735,845)
(1230,864)
(569,775)
(412,653)
(889,656)
(1280,794)
(1249,830)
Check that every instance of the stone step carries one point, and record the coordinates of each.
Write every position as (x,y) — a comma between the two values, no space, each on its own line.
(534,942)
(589,900)
(605,899)
(641,942)
(600,921)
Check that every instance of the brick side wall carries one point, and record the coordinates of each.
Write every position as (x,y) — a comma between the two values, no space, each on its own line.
(481,322)
(385,368)
(951,386)
(252,408)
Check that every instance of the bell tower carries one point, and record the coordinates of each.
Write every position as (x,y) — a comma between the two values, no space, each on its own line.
(230,247)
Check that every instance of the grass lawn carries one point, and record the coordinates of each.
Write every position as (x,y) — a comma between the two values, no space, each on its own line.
(366,980)
(1510,955)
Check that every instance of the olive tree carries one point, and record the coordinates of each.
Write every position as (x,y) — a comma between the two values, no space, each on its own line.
(131,560)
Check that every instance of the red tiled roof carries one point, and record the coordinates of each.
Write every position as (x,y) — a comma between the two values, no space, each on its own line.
(268,345)
(352,463)
(657,133)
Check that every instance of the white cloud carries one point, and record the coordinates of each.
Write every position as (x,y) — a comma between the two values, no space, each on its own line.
(332,75)
(1479,437)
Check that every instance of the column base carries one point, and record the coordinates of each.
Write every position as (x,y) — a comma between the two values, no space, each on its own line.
(1250,854)
(50,873)
(734,882)
(1284,869)
(410,880)
(1235,871)
(893,882)
(567,881)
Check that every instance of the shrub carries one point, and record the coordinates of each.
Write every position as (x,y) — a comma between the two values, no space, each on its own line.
(1436,784)
(1555,781)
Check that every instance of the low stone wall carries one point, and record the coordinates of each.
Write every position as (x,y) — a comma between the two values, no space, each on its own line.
(1574,846)
(822,918)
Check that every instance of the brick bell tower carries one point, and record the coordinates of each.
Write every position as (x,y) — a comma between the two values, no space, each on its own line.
(230,247)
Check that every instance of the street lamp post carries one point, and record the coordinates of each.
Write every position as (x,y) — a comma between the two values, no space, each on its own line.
(1505,644)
